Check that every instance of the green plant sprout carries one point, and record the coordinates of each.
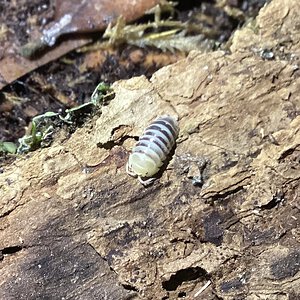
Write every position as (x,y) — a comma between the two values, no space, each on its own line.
(8,147)
(44,126)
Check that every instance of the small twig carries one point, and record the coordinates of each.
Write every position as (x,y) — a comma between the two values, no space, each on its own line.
(206,285)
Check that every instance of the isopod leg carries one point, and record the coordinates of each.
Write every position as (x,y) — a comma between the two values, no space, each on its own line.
(146,182)
(129,172)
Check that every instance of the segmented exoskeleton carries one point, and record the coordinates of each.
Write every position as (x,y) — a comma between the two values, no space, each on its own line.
(152,149)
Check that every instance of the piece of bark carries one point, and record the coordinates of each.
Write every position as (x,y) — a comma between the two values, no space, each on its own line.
(240,230)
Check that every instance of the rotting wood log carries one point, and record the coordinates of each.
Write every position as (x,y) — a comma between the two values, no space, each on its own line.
(73,231)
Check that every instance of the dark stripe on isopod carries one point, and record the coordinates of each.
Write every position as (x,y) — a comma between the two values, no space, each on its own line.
(161,130)
(155,139)
(168,144)
(168,125)
(148,142)
(170,121)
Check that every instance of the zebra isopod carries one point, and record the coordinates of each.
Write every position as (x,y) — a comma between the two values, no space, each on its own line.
(152,149)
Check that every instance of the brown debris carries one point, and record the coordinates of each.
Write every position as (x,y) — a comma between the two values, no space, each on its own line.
(85,16)
(81,16)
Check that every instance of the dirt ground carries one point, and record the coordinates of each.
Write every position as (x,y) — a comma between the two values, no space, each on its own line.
(222,219)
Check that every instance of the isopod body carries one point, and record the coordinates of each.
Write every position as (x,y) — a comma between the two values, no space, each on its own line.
(153,147)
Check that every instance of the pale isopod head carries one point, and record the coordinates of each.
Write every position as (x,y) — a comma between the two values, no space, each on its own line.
(141,165)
